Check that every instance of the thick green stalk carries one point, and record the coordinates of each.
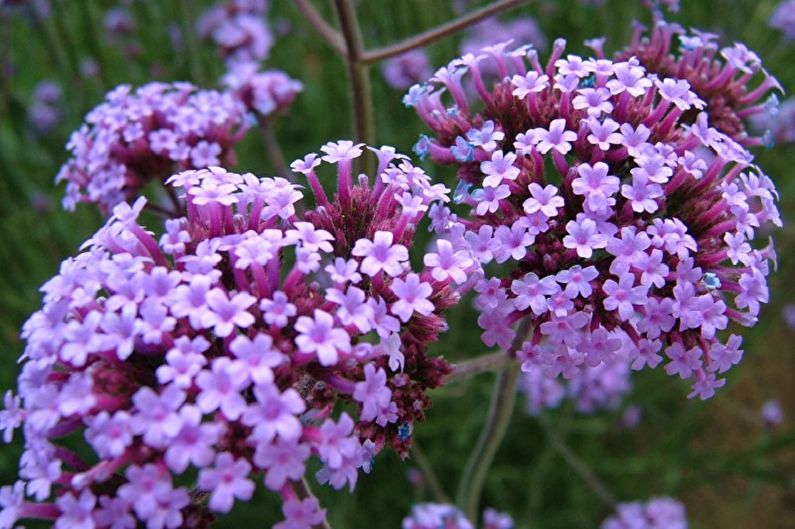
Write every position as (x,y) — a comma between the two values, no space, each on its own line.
(503,397)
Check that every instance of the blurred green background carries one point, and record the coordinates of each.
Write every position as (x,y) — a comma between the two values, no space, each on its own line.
(716,456)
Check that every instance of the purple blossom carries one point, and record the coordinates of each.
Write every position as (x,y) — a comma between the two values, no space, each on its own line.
(227,481)
(412,297)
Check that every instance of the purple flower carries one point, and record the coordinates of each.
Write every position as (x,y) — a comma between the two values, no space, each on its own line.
(372,393)
(224,312)
(381,254)
(274,413)
(412,297)
(226,482)
(221,386)
(320,336)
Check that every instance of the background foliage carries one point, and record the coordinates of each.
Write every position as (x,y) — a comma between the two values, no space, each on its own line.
(716,456)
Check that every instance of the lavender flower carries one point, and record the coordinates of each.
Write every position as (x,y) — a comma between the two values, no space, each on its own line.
(45,111)
(404,70)
(657,513)
(444,516)
(783,19)
(238,28)
(772,413)
(619,241)
(138,136)
(730,81)
(592,390)
(206,355)
(262,92)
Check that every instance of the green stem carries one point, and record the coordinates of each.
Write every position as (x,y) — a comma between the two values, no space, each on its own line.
(331,35)
(274,149)
(430,36)
(427,470)
(475,366)
(359,74)
(503,398)
(578,465)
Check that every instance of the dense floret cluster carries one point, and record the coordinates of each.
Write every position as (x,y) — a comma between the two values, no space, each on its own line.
(730,81)
(143,135)
(218,352)
(239,30)
(265,92)
(657,513)
(604,208)
(445,516)
(592,390)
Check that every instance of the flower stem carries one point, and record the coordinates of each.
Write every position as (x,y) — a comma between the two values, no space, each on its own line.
(476,366)
(503,397)
(423,39)
(331,35)
(578,465)
(358,72)
(427,470)
(274,149)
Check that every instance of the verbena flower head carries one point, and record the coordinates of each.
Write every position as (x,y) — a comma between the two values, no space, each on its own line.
(404,70)
(143,135)
(216,351)
(657,513)
(239,30)
(262,92)
(603,207)
(783,18)
(730,81)
(445,516)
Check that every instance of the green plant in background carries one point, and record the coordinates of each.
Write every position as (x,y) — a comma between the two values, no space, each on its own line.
(608,456)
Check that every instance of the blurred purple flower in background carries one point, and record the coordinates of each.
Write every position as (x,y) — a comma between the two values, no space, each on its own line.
(262,92)
(445,516)
(45,111)
(657,513)
(772,413)
(522,30)
(407,69)
(143,135)
(239,29)
(783,18)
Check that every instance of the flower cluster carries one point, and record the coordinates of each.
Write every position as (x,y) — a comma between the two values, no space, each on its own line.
(445,516)
(730,81)
(221,348)
(657,513)
(45,112)
(623,221)
(135,137)
(262,92)
(238,28)
(404,70)
(783,19)
(592,390)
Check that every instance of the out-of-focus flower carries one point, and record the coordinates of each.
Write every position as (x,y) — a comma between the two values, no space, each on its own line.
(588,180)
(262,92)
(45,112)
(407,69)
(239,30)
(522,30)
(596,389)
(444,516)
(135,137)
(788,313)
(89,67)
(657,513)
(772,413)
(783,18)
(219,347)
(632,416)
